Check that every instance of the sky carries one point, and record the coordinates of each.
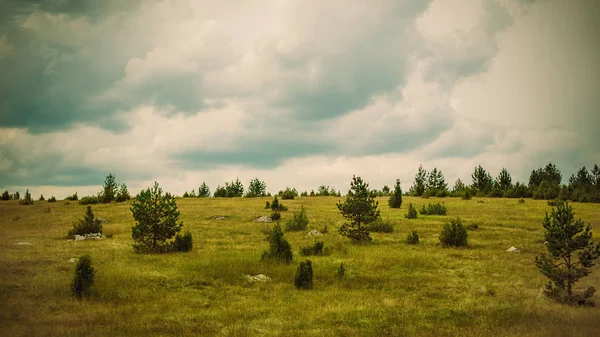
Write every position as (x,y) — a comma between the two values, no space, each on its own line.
(298,93)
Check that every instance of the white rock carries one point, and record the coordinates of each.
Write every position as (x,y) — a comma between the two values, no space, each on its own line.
(257,278)
(23,243)
(314,232)
(263,218)
(73,260)
(513,250)
(79,237)
(216,217)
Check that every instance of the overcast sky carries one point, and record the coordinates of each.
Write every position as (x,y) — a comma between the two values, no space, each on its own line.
(294,92)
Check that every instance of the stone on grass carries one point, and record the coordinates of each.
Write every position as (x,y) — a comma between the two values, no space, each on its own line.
(218,217)
(263,218)
(90,236)
(257,278)
(73,260)
(513,249)
(23,243)
(314,232)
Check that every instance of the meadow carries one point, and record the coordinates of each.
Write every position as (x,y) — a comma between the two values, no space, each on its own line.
(390,288)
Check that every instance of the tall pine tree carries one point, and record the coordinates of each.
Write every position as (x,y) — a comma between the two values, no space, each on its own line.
(395,200)
(360,208)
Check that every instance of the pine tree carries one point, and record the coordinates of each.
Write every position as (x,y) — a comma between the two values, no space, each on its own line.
(5,195)
(459,186)
(504,180)
(88,225)
(203,191)
(395,200)
(156,217)
(482,180)
(123,194)
(304,276)
(27,200)
(84,277)
(564,237)
(279,248)
(420,182)
(110,189)
(256,188)
(360,208)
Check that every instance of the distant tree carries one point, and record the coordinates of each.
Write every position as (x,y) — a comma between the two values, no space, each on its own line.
(304,194)
(420,184)
(596,176)
(5,195)
(564,237)
(186,194)
(110,189)
(288,193)
(323,191)
(41,198)
(256,188)
(123,194)
(385,190)
(220,192)
(156,217)
(203,191)
(482,180)
(436,181)
(27,200)
(459,187)
(52,199)
(544,183)
(88,225)
(504,180)
(73,197)
(17,196)
(360,208)
(395,200)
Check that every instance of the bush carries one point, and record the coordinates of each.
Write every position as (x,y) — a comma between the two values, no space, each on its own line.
(298,222)
(473,227)
(89,200)
(304,276)
(412,212)
(279,248)
(275,216)
(27,200)
(380,226)
(88,225)
(52,199)
(41,198)
(441,193)
(72,197)
(521,201)
(156,218)
(183,243)
(433,209)
(288,194)
(554,202)
(84,277)
(412,238)
(316,249)
(466,195)
(5,196)
(454,234)
(267,205)
(276,206)
(395,199)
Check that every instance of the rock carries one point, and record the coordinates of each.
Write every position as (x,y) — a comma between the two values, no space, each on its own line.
(314,232)
(257,278)
(89,236)
(73,260)
(218,217)
(513,250)
(79,237)
(435,235)
(23,243)
(263,218)
(101,220)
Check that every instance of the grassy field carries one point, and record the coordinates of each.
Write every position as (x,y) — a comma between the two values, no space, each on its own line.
(391,288)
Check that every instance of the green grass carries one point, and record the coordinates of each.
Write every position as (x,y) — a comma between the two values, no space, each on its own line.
(390,288)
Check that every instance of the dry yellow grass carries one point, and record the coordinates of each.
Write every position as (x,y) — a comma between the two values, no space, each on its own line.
(391,288)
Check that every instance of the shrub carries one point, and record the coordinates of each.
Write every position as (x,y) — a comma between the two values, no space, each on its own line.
(412,238)
(433,209)
(52,199)
(275,215)
(27,200)
(566,237)
(88,225)
(73,197)
(183,243)
(341,271)
(360,208)
(304,276)
(88,200)
(380,226)
(466,195)
(5,196)
(521,201)
(315,249)
(288,194)
(395,199)
(279,248)
(412,212)
(324,230)
(123,194)
(109,189)
(473,227)
(84,277)
(441,193)
(454,234)
(480,201)
(267,205)
(554,202)
(277,206)
(298,222)
(41,198)
(156,218)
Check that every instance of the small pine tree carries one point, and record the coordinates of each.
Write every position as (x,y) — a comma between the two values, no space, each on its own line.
(395,200)
(27,200)
(41,198)
(341,271)
(110,189)
(566,236)
(84,277)
(156,217)
(454,234)
(5,196)
(183,243)
(304,276)
(203,191)
(412,238)
(360,208)
(298,222)
(52,199)
(123,194)
(88,225)
(412,212)
(279,248)
(256,188)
